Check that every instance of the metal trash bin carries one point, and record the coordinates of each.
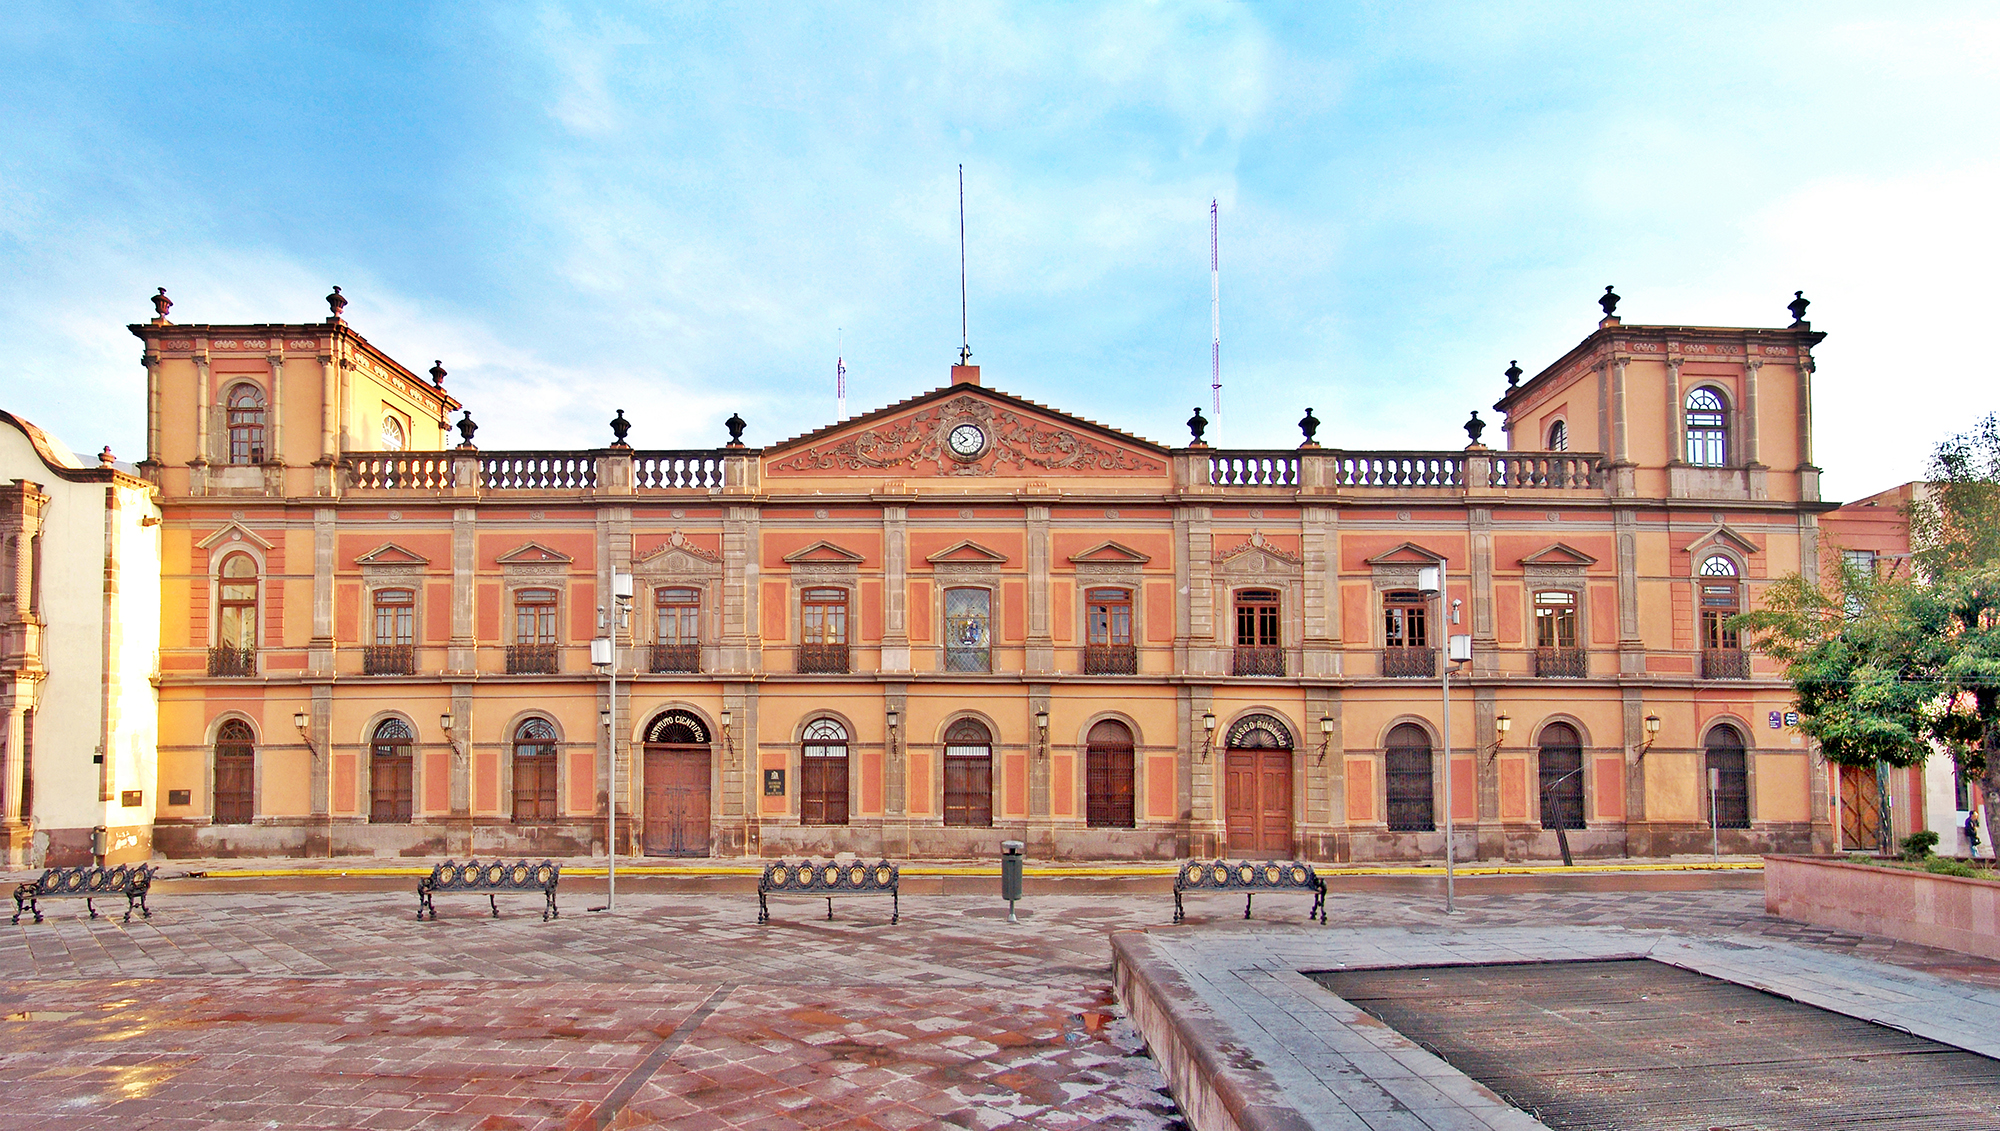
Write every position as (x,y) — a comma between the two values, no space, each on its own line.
(1010,874)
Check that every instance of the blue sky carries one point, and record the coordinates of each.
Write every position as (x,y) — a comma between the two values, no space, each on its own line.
(680,210)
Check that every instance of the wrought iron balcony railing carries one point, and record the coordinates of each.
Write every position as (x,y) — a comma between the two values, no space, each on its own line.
(226,659)
(1111,659)
(823,659)
(1725,663)
(1409,663)
(676,658)
(533,659)
(389,659)
(1562,663)
(1258,660)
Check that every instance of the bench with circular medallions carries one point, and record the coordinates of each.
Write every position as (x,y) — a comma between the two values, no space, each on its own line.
(1250,877)
(492,878)
(828,879)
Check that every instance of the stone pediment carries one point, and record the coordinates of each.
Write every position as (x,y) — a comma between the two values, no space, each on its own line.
(1255,555)
(390,554)
(1722,536)
(534,553)
(1007,436)
(967,553)
(1110,554)
(1556,555)
(1407,554)
(234,532)
(677,555)
(824,553)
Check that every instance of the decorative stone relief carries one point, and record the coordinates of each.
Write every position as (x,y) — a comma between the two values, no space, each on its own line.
(1018,442)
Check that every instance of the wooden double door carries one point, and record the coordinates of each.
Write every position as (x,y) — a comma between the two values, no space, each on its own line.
(1257,790)
(676,805)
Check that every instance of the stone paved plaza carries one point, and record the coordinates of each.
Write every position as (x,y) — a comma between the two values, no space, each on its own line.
(237,1007)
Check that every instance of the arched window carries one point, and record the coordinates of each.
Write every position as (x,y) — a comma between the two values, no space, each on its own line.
(1559,437)
(1561,757)
(823,774)
(393,439)
(390,773)
(1108,781)
(235,774)
(246,424)
(1407,771)
(235,651)
(1729,777)
(1707,428)
(536,771)
(968,774)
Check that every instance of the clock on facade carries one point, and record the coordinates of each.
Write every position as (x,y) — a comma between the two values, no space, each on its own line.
(966,441)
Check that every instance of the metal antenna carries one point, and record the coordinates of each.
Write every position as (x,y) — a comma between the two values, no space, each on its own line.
(964,339)
(840,379)
(1214,309)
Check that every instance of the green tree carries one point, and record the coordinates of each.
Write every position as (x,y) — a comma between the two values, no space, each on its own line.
(1885,667)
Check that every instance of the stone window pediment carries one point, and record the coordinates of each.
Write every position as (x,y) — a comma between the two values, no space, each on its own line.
(1257,558)
(967,553)
(234,532)
(677,556)
(824,553)
(534,553)
(1722,536)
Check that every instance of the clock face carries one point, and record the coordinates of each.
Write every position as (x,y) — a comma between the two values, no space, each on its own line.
(966,441)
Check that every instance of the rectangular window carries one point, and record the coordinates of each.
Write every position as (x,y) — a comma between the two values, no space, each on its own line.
(968,640)
(534,650)
(1860,561)
(1406,646)
(1108,648)
(823,631)
(395,616)
(677,630)
(1258,650)
(1718,604)
(1555,619)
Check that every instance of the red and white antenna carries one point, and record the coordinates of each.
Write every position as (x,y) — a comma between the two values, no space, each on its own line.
(1214,309)
(840,379)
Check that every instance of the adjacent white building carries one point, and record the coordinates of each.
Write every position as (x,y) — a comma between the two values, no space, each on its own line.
(79,653)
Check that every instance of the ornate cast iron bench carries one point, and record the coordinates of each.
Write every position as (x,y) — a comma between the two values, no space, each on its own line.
(493,878)
(1250,877)
(129,880)
(829,878)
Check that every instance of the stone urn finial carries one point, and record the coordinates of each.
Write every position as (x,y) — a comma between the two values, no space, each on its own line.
(1474,427)
(466,428)
(1609,302)
(736,425)
(336,302)
(620,426)
(1197,424)
(437,374)
(105,458)
(1309,425)
(1513,374)
(161,304)
(1797,306)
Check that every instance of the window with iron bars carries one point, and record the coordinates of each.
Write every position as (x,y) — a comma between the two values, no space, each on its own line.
(968,640)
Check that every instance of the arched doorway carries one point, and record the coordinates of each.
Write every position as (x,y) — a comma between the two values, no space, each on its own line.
(1406,765)
(1728,777)
(823,774)
(391,785)
(968,774)
(1108,780)
(1257,769)
(1561,758)
(675,816)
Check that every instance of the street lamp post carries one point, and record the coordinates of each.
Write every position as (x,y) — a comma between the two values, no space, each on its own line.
(604,652)
(1453,649)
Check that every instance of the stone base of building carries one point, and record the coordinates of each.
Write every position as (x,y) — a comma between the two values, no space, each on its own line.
(318,839)
(17,841)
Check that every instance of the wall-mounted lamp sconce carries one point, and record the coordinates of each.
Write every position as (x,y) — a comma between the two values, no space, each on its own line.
(1207,733)
(1325,737)
(445,723)
(894,717)
(303,721)
(724,719)
(604,717)
(1652,734)
(1501,725)
(1042,730)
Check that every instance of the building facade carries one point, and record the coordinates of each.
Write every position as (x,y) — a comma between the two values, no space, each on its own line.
(965,617)
(79,610)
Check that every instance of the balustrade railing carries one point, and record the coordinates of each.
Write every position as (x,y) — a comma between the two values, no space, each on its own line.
(518,471)
(1553,470)
(1254,469)
(667,470)
(404,471)
(1398,469)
